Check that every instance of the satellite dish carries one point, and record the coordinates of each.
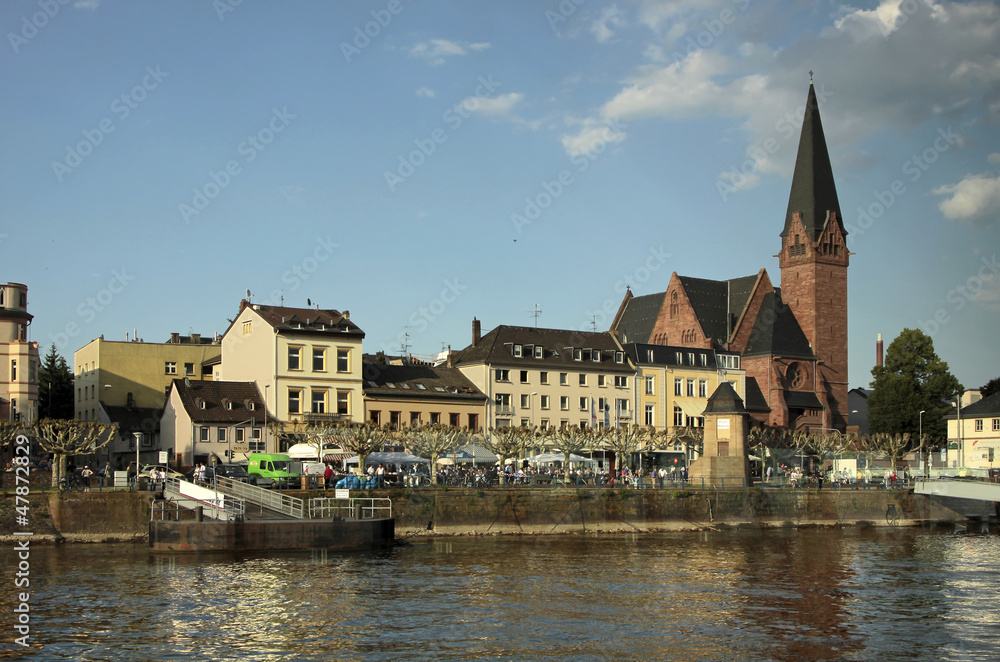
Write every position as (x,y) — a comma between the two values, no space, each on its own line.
(249,294)
(309,302)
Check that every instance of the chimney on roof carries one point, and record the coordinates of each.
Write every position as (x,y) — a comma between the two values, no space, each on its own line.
(196,338)
(175,338)
(878,350)
(243,304)
(346,314)
(477,333)
(451,358)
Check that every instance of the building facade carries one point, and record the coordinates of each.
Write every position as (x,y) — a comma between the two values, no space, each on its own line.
(19,361)
(550,377)
(307,362)
(792,340)
(136,374)
(974,433)
(414,394)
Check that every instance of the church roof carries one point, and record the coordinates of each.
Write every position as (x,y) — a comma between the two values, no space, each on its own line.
(639,317)
(813,194)
(718,303)
(777,332)
(725,400)
(755,400)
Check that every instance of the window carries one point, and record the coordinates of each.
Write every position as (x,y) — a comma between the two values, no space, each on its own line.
(294,401)
(518,351)
(318,401)
(595,355)
(703,359)
(577,354)
(247,327)
(295,358)
(170,368)
(649,356)
(473,421)
(543,377)
(690,358)
(343,402)
(241,434)
(343,360)
(679,358)
(394,419)
(544,402)
(13,371)
(524,376)
(375,417)
(544,424)
(621,381)
(619,357)
(584,402)
(650,418)
(256,441)
(502,375)
(203,434)
(525,401)
(435,418)
(189,369)
(678,417)
(503,404)
(319,359)
(583,380)
(622,405)
(650,383)
(221,432)
(414,418)
(602,404)
(601,381)
(454,420)
(539,352)
(525,422)
(564,378)
(730,362)
(678,386)
(564,402)
(996,424)
(690,388)
(229,405)
(702,388)
(979,425)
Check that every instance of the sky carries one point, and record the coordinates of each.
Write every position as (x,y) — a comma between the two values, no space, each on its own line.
(420,164)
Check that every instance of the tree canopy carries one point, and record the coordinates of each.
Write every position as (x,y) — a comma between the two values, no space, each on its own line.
(55,387)
(913,379)
(991,387)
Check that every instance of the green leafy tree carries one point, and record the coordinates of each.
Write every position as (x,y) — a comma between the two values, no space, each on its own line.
(55,387)
(991,387)
(913,379)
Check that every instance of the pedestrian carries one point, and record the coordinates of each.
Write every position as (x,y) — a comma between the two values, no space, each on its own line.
(328,475)
(768,473)
(380,476)
(85,475)
(108,477)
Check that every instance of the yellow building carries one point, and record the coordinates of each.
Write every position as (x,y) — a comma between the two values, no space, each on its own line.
(19,360)
(305,361)
(136,374)
(974,435)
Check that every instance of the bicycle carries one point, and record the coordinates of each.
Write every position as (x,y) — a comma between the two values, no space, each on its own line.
(68,483)
(891,516)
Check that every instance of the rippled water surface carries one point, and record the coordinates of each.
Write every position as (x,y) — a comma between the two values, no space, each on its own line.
(887,594)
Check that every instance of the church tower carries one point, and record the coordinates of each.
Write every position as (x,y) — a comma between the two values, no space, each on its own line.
(813,262)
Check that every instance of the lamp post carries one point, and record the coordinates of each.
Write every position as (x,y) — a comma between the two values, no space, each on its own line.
(920,429)
(138,438)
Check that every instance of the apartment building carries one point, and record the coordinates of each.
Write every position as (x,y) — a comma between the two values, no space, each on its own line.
(18,356)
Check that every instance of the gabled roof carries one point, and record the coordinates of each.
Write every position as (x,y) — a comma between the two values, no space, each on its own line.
(639,317)
(215,395)
(988,406)
(419,381)
(813,194)
(666,355)
(134,419)
(496,348)
(718,303)
(755,400)
(306,320)
(777,332)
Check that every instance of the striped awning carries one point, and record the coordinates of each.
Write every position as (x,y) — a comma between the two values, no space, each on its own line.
(336,457)
(693,408)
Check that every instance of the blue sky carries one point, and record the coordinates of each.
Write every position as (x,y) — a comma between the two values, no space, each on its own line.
(422,163)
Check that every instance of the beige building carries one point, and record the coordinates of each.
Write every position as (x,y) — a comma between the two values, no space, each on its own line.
(550,377)
(421,394)
(18,356)
(974,435)
(203,421)
(135,373)
(305,361)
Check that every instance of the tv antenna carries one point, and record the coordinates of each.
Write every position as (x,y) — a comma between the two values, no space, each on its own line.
(535,312)
(249,295)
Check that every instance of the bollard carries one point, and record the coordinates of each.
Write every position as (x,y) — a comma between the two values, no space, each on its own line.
(357,511)
(199,514)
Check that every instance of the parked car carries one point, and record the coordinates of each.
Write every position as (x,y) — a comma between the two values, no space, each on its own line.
(234,472)
(170,473)
(207,477)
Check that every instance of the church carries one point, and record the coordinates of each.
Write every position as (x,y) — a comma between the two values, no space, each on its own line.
(792,338)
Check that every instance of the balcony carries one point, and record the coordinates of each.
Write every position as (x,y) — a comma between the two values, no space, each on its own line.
(503,410)
(327,418)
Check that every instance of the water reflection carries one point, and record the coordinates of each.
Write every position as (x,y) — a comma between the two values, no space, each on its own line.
(775,595)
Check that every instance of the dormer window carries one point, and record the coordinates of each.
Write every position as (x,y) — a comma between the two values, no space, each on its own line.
(649,356)
(539,352)
(595,355)
(201,403)
(577,354)
(517,351)
(619,357)
(251,406)
(229,405)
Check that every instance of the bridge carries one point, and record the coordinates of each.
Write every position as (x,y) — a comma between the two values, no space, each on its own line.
(973,490)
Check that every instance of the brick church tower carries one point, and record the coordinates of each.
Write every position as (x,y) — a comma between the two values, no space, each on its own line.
(813,262)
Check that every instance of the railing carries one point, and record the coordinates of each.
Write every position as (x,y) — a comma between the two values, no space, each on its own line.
(274,500)
(214,504)
(370,508)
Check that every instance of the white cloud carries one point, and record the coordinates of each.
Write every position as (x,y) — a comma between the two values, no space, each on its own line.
(974,200)
(498,106)
(989,296)
(593,138)
(87,4)
(426,92)
(604,27)
(436,50)
(994,158)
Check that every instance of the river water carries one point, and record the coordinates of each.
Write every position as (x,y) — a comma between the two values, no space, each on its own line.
(875,594)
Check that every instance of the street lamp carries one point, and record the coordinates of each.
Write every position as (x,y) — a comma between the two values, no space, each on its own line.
(138,438)
(920,428)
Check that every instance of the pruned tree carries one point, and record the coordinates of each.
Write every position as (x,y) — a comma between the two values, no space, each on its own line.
(8,434)
(625,440)
(571,439)
(762,438)
(434,441)
(892,445)
(508,442)
(65,438)
(690,438)
(360,438)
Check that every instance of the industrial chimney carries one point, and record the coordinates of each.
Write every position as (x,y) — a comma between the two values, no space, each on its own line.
(878,350)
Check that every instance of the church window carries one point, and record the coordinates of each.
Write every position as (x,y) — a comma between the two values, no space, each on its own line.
(673,305)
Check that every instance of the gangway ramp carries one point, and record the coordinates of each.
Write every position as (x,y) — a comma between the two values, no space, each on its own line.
(959,489)
(272,500)
(226,508)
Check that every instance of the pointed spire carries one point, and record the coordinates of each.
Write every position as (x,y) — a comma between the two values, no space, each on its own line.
(813,194)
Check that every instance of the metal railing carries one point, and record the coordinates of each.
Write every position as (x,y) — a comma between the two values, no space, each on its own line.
(271,499)
(370,508)
(220,506)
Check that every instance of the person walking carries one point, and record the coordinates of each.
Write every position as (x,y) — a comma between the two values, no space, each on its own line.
(85,475)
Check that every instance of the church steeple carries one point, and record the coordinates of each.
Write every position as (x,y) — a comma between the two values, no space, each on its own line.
(814,194)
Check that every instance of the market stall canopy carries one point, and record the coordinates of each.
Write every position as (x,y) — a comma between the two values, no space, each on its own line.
(549,458)
(388,458)
(474,453)
(311,452)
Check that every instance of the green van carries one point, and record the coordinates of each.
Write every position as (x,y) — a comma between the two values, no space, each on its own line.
(269,469)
